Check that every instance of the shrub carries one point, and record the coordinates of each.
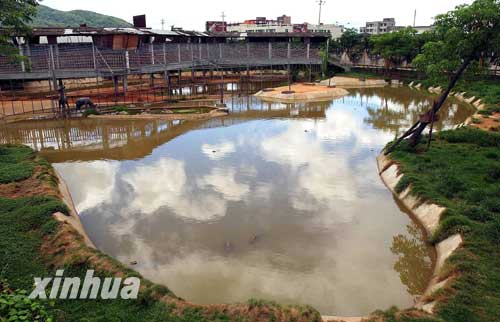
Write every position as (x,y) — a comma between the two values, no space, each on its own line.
(91,111)
(16,306)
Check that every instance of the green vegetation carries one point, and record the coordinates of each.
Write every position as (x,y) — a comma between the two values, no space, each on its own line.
(120,109)
(461,172)
(15,15)
(15,306)
(91,111)
(51,17)
(467,36)
(353,43)
(361,74)
(15,163)
(396,47)
(487,90)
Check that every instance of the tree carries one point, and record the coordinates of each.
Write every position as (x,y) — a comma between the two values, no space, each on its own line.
(15,15)
(468,34)
(353,43)
(396,47)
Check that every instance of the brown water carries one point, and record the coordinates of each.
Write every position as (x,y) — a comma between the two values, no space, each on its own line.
(277,201)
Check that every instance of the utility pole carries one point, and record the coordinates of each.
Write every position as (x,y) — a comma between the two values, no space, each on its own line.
(415,19)
(223,17)
(162,24)
(321,3)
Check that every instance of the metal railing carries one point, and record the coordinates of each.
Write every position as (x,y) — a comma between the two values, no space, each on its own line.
(87,57)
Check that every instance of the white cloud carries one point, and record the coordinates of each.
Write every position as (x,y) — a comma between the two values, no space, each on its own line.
(223,181)
(91,183)
(165,184)
(218,152)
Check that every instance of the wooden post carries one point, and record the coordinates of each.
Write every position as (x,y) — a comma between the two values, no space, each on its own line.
(127,60)
(164,54)
(23,66)
(152,54)
(94,58)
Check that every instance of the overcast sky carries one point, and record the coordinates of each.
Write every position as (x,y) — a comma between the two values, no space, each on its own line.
(192,14)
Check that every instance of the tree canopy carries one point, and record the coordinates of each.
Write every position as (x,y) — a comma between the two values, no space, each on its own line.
(464,37)
(353,43)
(396,47)
(470,32)
(15,16)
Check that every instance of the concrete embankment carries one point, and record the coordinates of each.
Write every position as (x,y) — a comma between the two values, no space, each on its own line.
(428,215)
(74,218)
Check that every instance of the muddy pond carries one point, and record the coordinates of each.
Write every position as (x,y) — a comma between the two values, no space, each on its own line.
(280,202)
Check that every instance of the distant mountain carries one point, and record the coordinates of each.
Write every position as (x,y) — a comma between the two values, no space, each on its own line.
(48,17)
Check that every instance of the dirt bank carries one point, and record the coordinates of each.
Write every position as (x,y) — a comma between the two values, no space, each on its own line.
(168,117)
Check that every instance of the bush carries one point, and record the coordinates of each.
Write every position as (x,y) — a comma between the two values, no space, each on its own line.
(16,163)
(120,108)
(16,306)
(91,111)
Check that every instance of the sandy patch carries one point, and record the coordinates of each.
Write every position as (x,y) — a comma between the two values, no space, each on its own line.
(353,82)
(302,93)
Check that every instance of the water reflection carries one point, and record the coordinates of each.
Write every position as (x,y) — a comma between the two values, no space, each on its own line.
(414,265)
(276,201)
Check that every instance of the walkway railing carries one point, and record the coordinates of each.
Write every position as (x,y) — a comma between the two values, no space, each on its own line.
(65,59)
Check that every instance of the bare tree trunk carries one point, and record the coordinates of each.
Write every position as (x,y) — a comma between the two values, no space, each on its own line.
(418,128)
(417,135)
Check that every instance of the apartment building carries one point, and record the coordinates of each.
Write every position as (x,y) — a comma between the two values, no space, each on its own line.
(380,27)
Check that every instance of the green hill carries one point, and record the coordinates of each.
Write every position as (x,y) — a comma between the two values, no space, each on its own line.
(48,17)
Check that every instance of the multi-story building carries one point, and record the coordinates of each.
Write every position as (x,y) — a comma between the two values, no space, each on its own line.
(285,20)
(334,30)
(380,27)
(282,24)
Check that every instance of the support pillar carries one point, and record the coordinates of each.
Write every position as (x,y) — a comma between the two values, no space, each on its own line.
(117,90)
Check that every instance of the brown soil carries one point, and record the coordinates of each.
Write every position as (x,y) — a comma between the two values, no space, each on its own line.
(169,117)
(41,183)
(488,123)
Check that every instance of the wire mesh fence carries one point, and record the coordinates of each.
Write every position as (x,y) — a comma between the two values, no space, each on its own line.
(86,57)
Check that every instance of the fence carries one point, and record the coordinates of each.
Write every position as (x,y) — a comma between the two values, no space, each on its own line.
(44,59)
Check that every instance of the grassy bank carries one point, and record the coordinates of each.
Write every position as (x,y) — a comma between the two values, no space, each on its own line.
(487,90)
(34,244)
(461,172)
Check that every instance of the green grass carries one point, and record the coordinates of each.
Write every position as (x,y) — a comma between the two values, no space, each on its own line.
(366,75)
(15,163)
(487,90)
(461,172)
